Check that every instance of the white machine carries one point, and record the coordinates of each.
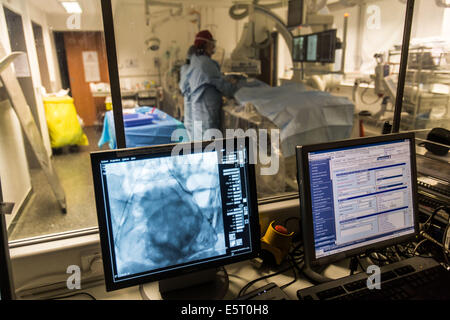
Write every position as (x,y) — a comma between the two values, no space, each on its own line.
(256,35)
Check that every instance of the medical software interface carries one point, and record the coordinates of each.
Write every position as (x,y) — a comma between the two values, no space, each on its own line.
(168,212)
(360,195)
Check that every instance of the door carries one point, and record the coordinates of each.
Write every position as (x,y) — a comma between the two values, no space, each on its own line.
(42,58)
(86,62)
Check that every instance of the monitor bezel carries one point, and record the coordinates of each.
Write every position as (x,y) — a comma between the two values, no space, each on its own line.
(98,156)
(306,205)
(297,24)
(6,279)
(333,32)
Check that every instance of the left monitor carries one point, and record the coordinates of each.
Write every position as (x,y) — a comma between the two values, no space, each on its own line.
(168,210)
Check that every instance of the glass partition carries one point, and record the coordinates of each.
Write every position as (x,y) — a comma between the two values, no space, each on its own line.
(51,114)
(338,82)
(279,98)
(426,99)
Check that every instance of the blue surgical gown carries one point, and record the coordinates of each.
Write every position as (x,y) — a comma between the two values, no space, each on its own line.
(186,92)
(207,86)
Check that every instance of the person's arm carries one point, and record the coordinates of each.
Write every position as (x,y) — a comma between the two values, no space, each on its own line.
(224,86)
(216,79)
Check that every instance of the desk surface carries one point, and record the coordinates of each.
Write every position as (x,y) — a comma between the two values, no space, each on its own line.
(239,275)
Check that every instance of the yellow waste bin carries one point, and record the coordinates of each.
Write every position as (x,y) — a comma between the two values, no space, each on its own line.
(62,122)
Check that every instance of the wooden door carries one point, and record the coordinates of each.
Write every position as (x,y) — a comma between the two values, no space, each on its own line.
(75,44)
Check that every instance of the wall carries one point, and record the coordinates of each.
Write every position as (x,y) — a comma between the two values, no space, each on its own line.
(176,34)
(14,174)
(28,13)
(428,22)
(14,170)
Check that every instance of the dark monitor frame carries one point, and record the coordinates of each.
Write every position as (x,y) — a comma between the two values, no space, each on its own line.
(294,24)
(97,157)
(320,42)
(306,205)
(6,279)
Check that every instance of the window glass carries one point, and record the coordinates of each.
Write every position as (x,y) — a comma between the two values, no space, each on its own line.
(426,98)
(51,114)
(333,77)
(285,94)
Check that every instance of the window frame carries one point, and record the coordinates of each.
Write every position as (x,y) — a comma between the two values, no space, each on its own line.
(18,246)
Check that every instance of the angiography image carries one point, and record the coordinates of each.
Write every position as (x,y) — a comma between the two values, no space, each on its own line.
(165,211)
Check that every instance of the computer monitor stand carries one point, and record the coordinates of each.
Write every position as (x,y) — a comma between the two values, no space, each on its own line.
(314,274)
(210,284)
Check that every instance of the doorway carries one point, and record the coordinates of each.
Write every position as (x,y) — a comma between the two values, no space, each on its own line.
(42,58)
(86,63)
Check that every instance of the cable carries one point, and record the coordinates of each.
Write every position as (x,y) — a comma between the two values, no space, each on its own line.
(293,265)
(418,245)
(289,219)
(362,97)
(427,223)
(445,244)
(144,295)
(292,262)
(75,294)
(248,285)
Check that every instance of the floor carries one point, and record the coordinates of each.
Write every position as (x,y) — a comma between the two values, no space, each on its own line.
(41,215)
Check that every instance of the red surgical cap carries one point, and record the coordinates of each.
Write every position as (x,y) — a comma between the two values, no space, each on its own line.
(202,37)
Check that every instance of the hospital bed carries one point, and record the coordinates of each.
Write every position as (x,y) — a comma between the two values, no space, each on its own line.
(302,116)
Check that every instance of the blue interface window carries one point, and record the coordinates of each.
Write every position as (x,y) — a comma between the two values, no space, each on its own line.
(360,195)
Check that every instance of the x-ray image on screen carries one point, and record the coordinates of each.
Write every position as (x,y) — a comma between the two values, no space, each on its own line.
(165,211)
(299,49)
(311,48)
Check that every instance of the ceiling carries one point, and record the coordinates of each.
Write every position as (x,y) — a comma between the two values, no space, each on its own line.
(54,6)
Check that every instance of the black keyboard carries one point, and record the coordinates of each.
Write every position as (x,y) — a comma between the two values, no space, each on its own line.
(410,279)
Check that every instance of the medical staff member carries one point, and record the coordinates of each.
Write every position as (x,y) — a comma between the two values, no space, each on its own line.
(186,92)
(207,86)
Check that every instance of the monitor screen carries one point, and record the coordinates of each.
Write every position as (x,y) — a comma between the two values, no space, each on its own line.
(311,48)
(299,49)
(315,47)
(162,213)
(327,46)
(296,13)
(357,194)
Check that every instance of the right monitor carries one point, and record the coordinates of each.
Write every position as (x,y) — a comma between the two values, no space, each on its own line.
(357,194)
(315,47)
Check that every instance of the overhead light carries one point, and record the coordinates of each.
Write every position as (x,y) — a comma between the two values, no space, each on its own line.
(71,6)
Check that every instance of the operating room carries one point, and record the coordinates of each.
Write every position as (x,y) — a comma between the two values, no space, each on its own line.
(346,91)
